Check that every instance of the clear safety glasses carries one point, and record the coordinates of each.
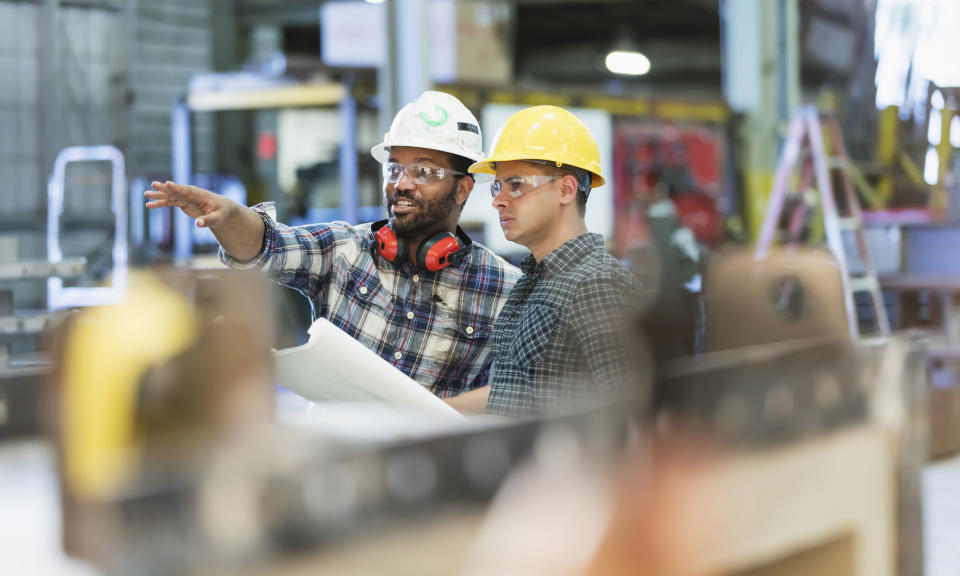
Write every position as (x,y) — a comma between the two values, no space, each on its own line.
(419,173)
(517,186)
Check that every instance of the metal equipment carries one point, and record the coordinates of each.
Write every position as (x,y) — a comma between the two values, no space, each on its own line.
(841,215)
(793,465)
(23,366)
(58,295)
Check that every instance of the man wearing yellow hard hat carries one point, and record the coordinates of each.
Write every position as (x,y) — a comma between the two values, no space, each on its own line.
(562,336)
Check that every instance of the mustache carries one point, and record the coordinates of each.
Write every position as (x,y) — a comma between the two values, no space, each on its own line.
(399,196)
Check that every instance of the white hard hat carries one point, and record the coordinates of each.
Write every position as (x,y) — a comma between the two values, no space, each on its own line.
(435,121)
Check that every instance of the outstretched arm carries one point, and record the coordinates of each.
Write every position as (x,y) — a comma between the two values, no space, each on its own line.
(238,229)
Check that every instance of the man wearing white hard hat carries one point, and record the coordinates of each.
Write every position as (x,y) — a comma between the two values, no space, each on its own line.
(413,288)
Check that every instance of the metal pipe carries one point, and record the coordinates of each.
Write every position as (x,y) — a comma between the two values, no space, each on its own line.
(348,153)
(180,148)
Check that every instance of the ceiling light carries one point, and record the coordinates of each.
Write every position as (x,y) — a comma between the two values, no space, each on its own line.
(937,100)
(374,1)
(628,63)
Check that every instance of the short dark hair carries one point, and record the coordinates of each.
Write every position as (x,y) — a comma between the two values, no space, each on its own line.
(582,177)
(461,164)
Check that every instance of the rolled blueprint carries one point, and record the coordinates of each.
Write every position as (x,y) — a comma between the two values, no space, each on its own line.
(333,367)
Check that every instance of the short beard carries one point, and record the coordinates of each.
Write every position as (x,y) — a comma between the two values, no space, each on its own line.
(429,215)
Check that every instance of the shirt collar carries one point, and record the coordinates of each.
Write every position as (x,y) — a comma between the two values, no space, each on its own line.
(565,257)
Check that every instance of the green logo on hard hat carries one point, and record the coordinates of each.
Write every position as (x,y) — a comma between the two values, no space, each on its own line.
(435,121)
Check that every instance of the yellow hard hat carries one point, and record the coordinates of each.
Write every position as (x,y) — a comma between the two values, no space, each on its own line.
(546,133)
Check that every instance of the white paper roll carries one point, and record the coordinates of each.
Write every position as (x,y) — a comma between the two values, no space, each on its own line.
(333,367)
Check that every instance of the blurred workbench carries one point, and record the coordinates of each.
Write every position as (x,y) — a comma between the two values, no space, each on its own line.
(916,255)
(822,505)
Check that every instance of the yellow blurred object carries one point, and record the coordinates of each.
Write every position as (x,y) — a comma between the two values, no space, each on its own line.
(544,133)
(938,195)
(887,149)
(107,354)
(758,184)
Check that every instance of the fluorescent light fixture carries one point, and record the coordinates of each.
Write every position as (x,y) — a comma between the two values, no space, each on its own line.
(931,167)
(627,63)
(934,129)
(937,100)
(374,1)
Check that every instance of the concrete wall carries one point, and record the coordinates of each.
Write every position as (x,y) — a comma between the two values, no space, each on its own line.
(107,73)
(171,40)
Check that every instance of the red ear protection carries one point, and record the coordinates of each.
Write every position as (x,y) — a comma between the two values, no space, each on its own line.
(435,252)
(392,247)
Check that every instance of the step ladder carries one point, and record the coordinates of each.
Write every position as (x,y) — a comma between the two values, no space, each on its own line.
(806,150)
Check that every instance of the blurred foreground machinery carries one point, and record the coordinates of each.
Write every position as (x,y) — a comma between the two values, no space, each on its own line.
(784,449)
(782,376)
(145,390)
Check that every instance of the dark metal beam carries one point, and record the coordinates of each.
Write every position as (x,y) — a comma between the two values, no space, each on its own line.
(48,87)
(278,11)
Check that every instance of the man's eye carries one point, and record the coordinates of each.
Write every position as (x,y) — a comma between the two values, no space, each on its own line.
(514,184)
(422,171)
(393,171)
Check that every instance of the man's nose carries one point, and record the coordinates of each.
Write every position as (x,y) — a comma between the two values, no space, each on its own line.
(501,199)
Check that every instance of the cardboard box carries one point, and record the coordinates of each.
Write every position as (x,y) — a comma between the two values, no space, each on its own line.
(944,439)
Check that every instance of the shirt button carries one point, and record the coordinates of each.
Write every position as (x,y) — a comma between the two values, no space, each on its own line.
(363,289)
(398,355)
(416,277)
(410,315)
(469,329)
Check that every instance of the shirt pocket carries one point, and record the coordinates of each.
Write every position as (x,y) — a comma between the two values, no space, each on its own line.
(363,299)
(456,345)
(537,326)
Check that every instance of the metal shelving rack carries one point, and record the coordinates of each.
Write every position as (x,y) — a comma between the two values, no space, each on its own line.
(20,382)
(29,322)
(263,98)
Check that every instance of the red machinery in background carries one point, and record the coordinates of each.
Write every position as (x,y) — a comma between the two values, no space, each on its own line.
(654,161)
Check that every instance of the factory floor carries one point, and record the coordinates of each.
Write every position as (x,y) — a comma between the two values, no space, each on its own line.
(30,518)
(941,517)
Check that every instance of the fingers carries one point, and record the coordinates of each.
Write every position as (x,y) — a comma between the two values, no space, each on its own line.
(172,189)
(168,186)
(171,194)
(160,195)
(157,199)
(207,207)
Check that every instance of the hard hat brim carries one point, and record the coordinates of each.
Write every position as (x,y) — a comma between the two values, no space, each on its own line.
(381,151)
(487,166)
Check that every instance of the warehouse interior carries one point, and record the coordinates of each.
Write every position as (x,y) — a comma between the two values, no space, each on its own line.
(782,178)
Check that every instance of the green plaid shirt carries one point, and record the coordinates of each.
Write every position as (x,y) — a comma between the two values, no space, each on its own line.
(563,336)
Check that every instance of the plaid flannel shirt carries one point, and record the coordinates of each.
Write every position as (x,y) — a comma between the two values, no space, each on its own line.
(432,326)
(565,334)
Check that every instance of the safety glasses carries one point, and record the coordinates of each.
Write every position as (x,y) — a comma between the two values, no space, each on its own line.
(517,186)
(419,173)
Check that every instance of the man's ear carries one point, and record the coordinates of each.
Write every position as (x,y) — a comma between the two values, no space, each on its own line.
(568,189)
(464,187)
